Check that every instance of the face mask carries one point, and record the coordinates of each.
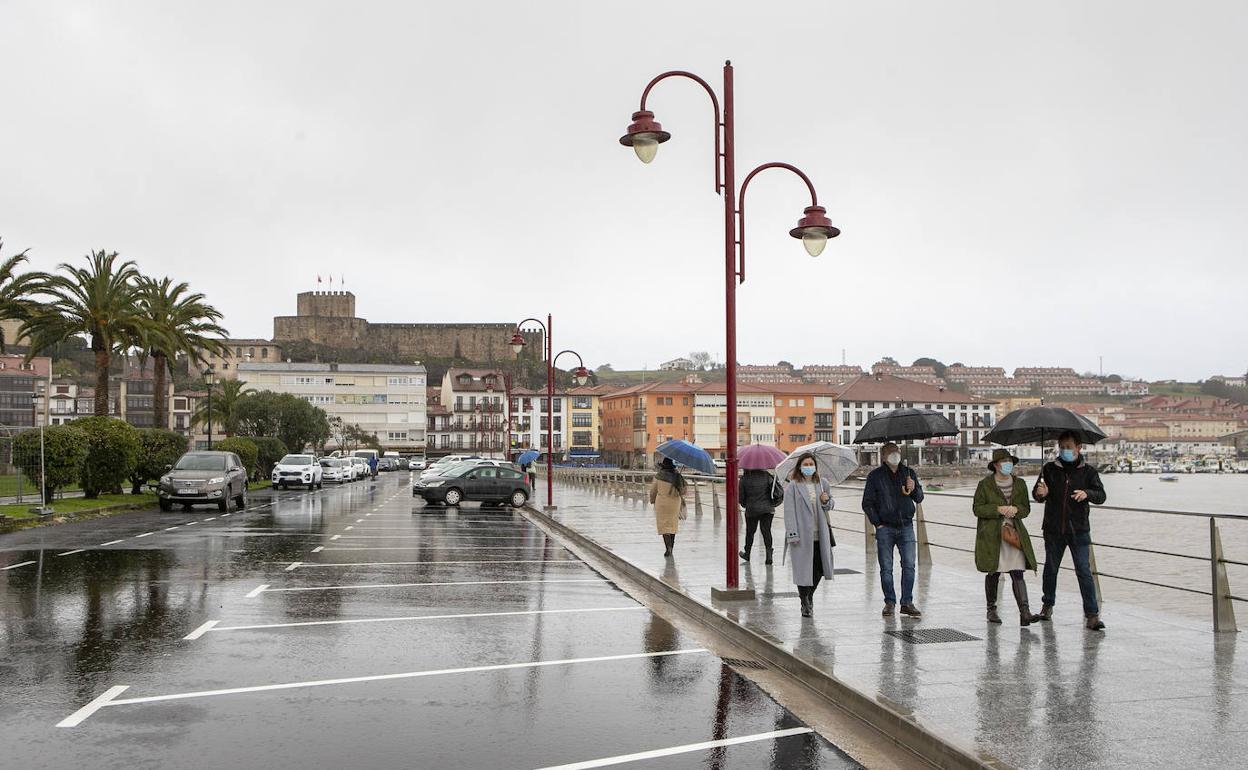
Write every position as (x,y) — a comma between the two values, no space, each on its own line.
(808,470)
(894,459)
(1068,455)
(1005,468)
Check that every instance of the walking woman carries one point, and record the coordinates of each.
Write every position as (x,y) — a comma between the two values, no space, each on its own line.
(759,496)
(807,500)
(667,494)
(1001,540)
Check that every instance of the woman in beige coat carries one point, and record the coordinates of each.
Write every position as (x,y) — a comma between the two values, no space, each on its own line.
(667,494)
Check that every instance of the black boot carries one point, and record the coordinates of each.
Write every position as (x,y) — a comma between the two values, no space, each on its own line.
(768,557)
(667,545)
(807,595)
(671,544)
(992,583)
(1025,618)
(745,554)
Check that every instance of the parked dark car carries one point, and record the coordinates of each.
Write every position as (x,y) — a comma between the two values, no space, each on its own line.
(479,483)
(204,477)
(387,464)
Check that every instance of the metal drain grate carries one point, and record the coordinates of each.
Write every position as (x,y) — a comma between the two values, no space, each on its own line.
(846,571)
(743,663)
(780,595)
(931,635)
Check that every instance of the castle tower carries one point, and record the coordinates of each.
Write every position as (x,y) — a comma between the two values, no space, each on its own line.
(326,304)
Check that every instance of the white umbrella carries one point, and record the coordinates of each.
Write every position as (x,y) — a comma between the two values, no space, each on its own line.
(834,462)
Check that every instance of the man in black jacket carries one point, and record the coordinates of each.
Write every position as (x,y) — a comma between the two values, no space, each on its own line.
(889,498)
(1067,486)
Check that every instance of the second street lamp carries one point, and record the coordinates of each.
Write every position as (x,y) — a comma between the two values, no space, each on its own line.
(644,134)
(208,378)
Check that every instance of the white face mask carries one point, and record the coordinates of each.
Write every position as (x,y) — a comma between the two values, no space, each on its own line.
(893,459)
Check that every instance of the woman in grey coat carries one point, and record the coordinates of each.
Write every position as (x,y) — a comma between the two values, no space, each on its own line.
(807,500)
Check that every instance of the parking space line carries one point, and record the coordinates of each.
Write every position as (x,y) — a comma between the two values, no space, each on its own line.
(71,553)
(210,518)
(109,697)
(685,749)
(433,546)
(170,529)
(111,542)
(15,566)
(145,534)
(212,624)
(298,564)
(293,566)
(265,588)
(359,521)
(226,514)
(335,537)
(348,528)
(318,549)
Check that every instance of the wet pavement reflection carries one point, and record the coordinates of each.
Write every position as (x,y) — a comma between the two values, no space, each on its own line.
(354,626)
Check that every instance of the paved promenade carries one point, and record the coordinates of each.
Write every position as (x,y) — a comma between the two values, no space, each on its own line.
(1155,691)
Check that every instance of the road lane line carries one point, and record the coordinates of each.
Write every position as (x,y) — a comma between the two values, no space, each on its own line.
(78,716)
(293,566)
(434,546)
(359,521)
(211,518)
(335,537)
(267,590)
(15,566)
(226,514)
(685,749)
(145,534)
(394,563)
(170,529)
(318,549)
(71,553)
(256,591)
(111,542)
(205,628)
(214,627)
(348,528)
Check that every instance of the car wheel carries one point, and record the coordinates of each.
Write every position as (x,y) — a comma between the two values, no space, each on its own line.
(240,502)
(223,504)
(454,497)
(186,506)
(519,498)
(166,505)
(281,487)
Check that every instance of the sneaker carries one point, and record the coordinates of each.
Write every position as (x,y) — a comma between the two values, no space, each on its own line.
(911,611)
(888,610)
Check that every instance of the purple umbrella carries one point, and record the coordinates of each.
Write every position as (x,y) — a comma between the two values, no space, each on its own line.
(759,457)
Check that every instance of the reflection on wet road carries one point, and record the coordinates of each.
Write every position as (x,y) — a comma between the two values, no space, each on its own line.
(354,626)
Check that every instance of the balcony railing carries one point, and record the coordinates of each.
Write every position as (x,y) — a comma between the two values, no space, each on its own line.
(467,408)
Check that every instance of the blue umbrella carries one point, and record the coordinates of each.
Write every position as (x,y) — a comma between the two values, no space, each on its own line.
(528,456)
(687,454)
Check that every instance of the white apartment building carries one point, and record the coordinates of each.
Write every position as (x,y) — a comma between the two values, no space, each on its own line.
(384,399)
(756,420)
(476,414)
(529,421)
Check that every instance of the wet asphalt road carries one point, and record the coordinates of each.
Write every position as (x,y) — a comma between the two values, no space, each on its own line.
(354,626)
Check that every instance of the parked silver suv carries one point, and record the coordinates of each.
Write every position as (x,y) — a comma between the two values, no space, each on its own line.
(204,477)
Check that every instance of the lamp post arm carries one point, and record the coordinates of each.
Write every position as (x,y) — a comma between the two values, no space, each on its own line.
(579,361)
(719,124)
(814,201)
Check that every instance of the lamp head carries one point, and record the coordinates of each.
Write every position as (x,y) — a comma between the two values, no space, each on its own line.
(814,229)
(517,342)
(644,135)
(581,375)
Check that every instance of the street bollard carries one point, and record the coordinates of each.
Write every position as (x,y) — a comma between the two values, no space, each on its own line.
(920,532)
(715,500)
(1223,610)
(697,500)
(1096,574)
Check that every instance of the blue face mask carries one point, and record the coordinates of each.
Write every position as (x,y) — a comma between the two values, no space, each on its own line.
(1068,455)
(1005,468)
(808,470)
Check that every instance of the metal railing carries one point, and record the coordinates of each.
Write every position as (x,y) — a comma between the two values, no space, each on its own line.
(633,484)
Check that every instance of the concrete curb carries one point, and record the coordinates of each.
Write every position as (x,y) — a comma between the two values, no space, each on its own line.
(900,728)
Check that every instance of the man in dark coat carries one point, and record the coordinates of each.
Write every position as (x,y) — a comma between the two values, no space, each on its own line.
(889,500)
(1068,486)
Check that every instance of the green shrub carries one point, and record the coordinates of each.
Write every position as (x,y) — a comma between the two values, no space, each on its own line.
(158,449)
(112,452)
(268,451)
(64,451)
(245,448)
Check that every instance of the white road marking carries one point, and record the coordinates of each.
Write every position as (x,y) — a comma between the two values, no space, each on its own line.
(190,523)
(109,697)
(256,591)
(335,537)
(318,549)
(170,529)
(266,589)
(15,566)
(293,566)
(437,547)
(359,521)
(71,553)
(348,528)
(212,624)
(210,518)
(685,749)
(111,542)
(145,534)
(395,563)
(76,718)
(226,514)
(205,628)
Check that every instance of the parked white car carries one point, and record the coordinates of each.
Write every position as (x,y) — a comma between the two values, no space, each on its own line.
(336,470)
(298,471)
(362,469)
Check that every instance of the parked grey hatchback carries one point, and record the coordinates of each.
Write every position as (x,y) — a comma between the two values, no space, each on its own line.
(199,478)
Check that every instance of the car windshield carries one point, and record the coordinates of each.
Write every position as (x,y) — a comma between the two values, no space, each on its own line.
(200,463)
(331,463)
(296,460)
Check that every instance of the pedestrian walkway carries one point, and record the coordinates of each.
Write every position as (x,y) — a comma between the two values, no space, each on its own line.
(1156,690)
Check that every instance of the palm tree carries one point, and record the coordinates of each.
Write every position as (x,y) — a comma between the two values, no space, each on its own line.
(15,292)
(99,301)
(224,407)
(185,325)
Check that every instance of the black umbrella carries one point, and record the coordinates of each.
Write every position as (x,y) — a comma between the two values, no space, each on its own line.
(1038,424)
(904,424)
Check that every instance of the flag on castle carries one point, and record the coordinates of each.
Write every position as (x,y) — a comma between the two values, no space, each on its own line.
(318,277)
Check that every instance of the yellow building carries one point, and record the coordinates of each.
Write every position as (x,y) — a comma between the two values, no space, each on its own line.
(585,429)
(1011,403)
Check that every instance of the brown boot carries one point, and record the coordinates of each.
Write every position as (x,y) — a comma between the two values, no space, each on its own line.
(1046,612)
(1025,618)
(1093,623)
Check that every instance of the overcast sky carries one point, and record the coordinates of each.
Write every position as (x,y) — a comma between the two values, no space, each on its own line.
(1017,183)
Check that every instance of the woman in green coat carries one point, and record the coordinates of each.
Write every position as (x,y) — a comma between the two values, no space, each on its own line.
(1001,502)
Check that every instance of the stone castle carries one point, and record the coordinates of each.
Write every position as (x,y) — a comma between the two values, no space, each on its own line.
(328,318)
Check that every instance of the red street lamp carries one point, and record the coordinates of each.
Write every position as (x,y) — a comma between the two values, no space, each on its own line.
(644,135)
(580,375)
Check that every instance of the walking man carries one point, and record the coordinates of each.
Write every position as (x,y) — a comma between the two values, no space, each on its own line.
(889,501)
(1067,486)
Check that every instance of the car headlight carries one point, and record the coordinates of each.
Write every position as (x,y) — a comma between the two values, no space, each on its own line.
(217,480)
(434,483)
(166,480)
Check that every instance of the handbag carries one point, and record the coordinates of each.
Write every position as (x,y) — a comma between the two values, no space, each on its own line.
(1009,533)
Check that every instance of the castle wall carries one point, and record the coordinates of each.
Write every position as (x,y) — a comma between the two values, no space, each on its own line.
(479,343)
(326,304)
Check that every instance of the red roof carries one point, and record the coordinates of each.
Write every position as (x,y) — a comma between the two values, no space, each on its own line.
(886,387)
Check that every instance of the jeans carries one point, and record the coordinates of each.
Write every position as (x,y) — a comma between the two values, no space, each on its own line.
(1054,549)
(755,523)
(903,539)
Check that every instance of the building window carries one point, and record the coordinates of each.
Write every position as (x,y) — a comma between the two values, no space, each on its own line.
(397,435)
(225,366)
(844,437)
(582,438)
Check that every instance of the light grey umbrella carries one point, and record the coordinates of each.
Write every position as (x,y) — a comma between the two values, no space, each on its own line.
(834,462)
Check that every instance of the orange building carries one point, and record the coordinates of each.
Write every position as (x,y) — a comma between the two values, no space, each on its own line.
(636,420)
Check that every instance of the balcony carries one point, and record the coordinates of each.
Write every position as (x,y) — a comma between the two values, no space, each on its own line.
(466,408)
